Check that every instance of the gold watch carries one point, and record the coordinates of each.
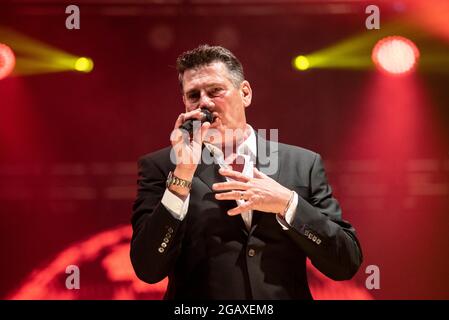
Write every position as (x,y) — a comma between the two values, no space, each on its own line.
(174,180)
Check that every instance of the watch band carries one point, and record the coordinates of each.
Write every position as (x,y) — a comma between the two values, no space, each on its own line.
(174,180)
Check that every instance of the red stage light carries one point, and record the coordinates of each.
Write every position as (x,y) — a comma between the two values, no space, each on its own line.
(395,55)
(7,61)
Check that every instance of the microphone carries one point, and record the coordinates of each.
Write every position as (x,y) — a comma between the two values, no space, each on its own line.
(188,125)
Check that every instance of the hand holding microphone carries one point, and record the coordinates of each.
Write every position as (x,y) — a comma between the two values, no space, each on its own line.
(188,124)
(187,148)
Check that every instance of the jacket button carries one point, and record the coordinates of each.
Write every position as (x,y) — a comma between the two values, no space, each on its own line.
(251,252)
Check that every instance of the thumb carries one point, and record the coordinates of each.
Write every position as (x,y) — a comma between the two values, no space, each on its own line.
(204,129)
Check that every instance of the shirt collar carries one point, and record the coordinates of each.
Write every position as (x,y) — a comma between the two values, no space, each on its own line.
(247,147)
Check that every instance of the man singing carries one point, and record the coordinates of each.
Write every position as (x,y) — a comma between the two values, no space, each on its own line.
(241,225)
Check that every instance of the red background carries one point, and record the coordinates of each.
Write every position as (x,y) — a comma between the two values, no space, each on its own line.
(69,141)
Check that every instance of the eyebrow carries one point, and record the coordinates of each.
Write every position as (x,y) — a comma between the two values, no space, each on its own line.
(211,85)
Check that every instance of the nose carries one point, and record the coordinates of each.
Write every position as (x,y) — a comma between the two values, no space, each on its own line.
(205,101)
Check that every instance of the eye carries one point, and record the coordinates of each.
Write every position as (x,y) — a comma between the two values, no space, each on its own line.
(193,96)
(215,91)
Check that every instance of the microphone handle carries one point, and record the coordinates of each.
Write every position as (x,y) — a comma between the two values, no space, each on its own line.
(187,126)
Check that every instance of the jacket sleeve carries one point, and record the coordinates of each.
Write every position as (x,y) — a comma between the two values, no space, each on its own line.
(157,235)
(330,242)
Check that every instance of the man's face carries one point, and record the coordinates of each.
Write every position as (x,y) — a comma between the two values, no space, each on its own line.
(210,87)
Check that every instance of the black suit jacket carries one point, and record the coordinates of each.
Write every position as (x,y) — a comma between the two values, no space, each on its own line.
(210,255)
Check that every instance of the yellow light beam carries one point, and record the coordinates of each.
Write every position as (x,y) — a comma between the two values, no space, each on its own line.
(36,57)
(363,41)
(27,46)
(354,52)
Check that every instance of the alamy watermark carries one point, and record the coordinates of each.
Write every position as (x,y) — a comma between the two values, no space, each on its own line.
(373,20)
(73,19)
(373,280)
(73,280)
(267,148)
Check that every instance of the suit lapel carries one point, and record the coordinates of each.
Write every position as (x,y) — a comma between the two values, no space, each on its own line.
(267,152)
(208,173)
(270,156)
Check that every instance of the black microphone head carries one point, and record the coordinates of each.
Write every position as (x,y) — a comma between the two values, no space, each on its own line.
(188,125)
(207,115)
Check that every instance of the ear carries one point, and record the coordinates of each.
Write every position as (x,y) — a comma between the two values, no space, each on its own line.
(246,92)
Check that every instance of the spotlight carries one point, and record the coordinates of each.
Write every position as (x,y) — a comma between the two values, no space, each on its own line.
(395,55)
(301,63)
(7,61)
(84,64)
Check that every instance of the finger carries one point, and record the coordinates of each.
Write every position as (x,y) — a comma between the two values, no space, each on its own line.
(194,114)
(232,185)
(233,174)
(259,174)
(199,134)
(183,117)
(179,121)
(175,137)
(179,136)
(241,208)
(204,129)
(231,195)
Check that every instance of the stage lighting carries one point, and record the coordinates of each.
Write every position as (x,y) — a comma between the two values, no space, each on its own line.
(7,61)
(84,64)
(395,55)
(301,63)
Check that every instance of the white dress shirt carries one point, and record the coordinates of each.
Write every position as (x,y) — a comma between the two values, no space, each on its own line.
(247,149)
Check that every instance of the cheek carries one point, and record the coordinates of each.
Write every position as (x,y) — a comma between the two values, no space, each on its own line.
(230,102)
(190,106)
(220,104)
(228,106)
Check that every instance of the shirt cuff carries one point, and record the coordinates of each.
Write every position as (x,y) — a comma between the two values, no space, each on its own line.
(175,205)
(287,220)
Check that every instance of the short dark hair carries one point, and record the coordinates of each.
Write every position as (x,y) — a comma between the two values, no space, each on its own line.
(204,55)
